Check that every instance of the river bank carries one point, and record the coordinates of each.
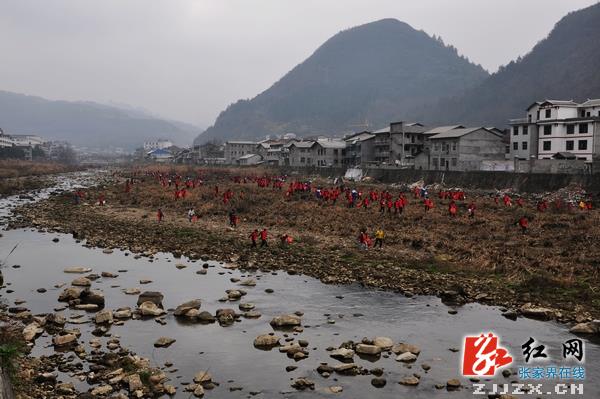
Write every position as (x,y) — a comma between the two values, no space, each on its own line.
(486,259)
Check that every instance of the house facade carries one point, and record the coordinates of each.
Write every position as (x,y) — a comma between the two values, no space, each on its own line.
(399,143)
(360,149)
(235,149)
(557,129)
(465,149)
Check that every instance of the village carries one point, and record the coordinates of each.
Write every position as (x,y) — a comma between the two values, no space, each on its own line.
(554,137)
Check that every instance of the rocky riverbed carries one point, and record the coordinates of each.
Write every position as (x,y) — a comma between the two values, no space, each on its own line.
(107,322)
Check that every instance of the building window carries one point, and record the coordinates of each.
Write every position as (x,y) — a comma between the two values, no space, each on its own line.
(547,145)
(582,145)
(524,130)
(454,161)
(516,131)
(570,145)
(442,162)
(436,147)
(524,145)
(302,160)
(435,163)
(515,146)
(507,149)
(548,113)
(453,146)
(583,128)
(570,129)
(547,130)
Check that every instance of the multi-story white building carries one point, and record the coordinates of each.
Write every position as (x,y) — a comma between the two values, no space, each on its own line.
(557,129)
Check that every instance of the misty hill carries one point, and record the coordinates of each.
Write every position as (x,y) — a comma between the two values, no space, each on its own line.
(87,123)
(378,72)
(565,65)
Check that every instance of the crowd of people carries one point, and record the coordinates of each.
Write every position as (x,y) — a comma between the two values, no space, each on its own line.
(389,204)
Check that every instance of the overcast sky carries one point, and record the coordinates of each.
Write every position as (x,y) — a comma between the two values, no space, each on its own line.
(189,59)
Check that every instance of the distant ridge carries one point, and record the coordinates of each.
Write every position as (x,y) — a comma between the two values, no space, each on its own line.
(379,72)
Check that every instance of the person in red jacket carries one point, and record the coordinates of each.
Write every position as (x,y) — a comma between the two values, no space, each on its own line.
(524,224)
(263,238)
(452,209)
(254,237)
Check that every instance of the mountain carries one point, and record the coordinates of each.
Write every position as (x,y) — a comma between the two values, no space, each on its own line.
(87,124)
(565,65)
(379,72)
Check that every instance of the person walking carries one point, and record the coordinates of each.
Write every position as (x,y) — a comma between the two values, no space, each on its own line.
(379,236)
(254,237)
(263,238)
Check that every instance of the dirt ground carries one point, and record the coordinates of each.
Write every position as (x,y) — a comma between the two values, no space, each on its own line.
(486,258)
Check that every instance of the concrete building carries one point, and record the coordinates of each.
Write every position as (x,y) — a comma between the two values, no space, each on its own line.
(234,149)
(360,149)
(320,153)
(465,149)
(300,153)
(557,129)
(399,143)
(157,145)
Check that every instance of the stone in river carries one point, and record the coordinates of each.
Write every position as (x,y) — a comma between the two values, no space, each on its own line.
(77,270)
(150,309)
(368,349)
(163,342)
(286,321)
(410,381)
(266,341)
(151,296)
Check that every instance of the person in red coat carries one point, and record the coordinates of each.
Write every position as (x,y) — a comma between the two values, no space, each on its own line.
(263,238)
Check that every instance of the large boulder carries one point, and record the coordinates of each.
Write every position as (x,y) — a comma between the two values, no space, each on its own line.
(183,309)
(164,342)
(368,349)
(592,327)
(104,317)
(69,294)
(384,343)
(342,354)
(226,316)
(65,340)
(95,297)
(403,348)
(151,296)
(31,331)
(266,341)
(81,282)
(537,312)
(150,309)
(288,320)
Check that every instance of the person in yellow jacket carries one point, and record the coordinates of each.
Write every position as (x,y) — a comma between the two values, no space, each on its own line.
(379,236)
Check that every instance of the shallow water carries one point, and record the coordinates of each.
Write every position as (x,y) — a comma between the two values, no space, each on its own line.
(228,351)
